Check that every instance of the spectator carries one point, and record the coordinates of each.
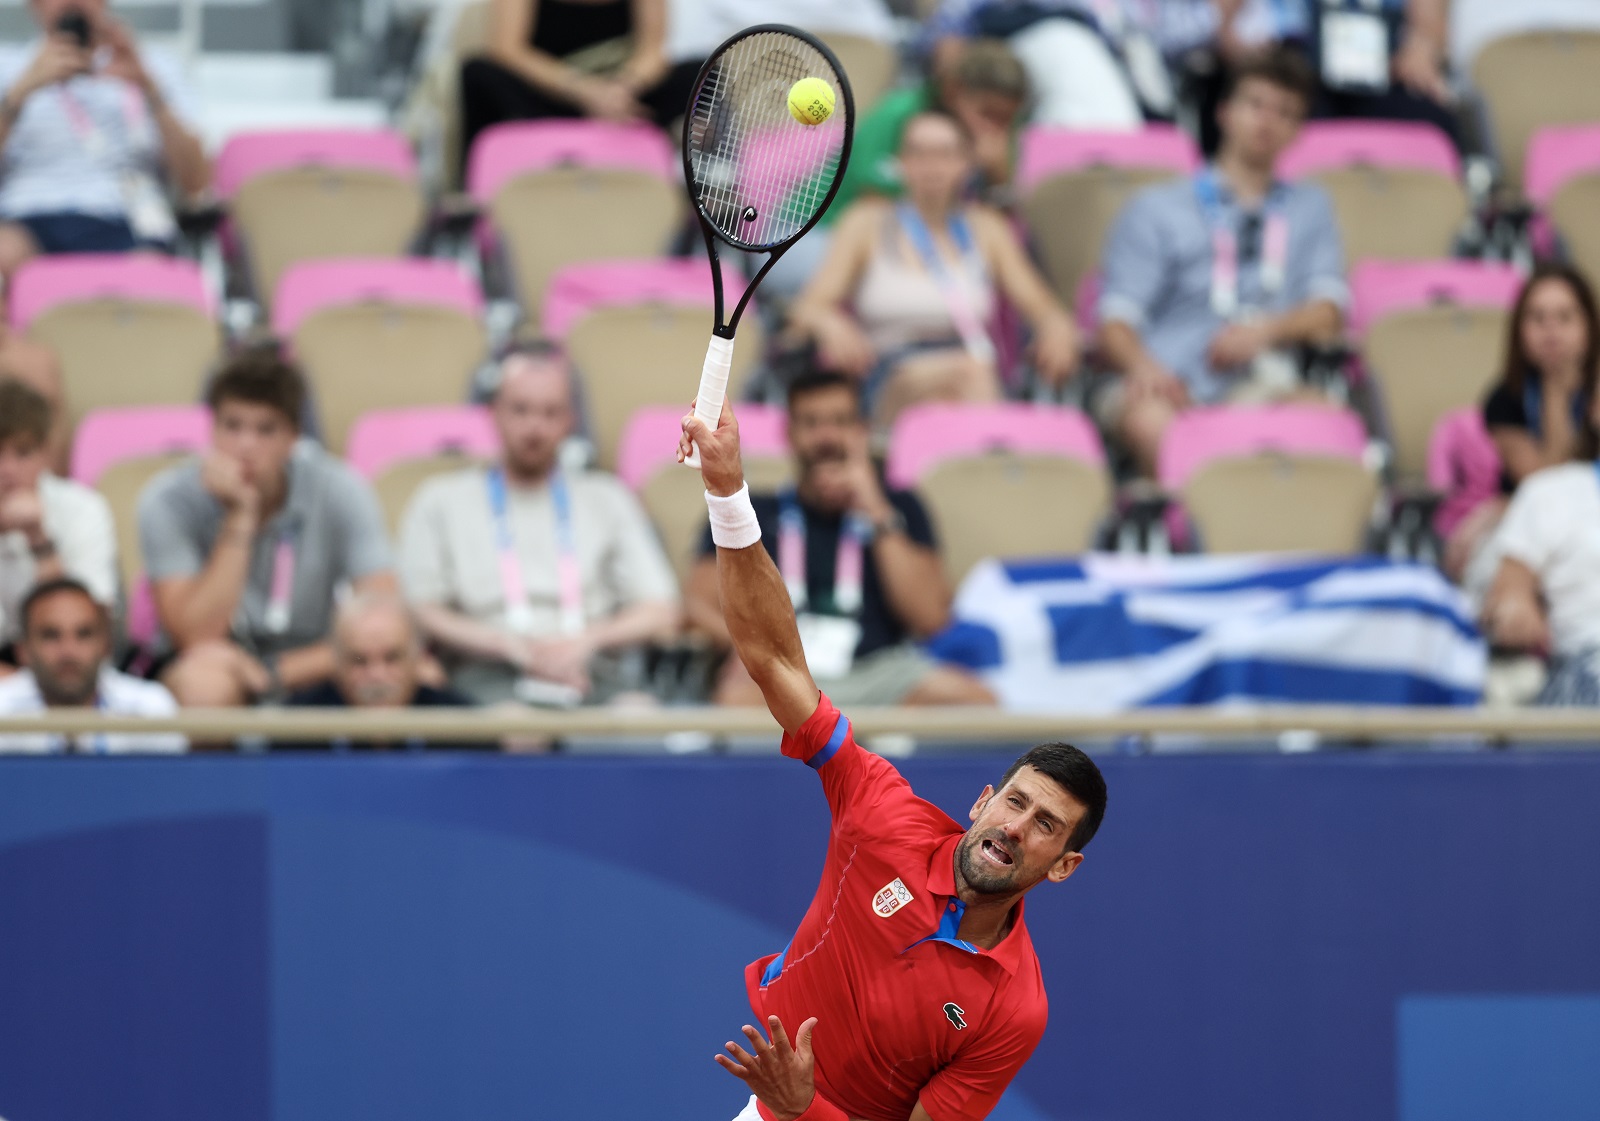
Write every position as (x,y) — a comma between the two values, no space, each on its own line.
(1543,411)
(246,545)
(860,634)
(604,59)
(90,128)
(49,527)
(65,643)
(1206,281)
(34,364)
(535,581)
(379,663)
(922,277)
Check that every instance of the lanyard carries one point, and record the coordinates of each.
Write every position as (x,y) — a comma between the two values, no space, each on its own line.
(91,134)
(280,597)
(1533,406)
(973,334)
(569,577)
(1273,255)
(848,564)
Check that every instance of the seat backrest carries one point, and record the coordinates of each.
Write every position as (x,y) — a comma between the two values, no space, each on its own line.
(1575,214)
(381,335)
(1463,465)
(1282,503)
(870,63)
(1382,288)
(649,441)
(385,437)
(1074,184)
(1328,145)
(247,155)
(629,356)
(674,498)
(926,435)
(106,437)
(1008,505)
(45,283)
(1557,154)
(1199,436)
(506,152)
(396,483)
(578,289)
(121,483)
(1532,80)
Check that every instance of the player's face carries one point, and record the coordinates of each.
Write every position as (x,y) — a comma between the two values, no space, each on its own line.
(1019,835)
(65,643)
(533,413)
(259,437)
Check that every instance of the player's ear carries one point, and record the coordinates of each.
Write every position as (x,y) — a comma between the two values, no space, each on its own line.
(983,800)
(1064,867)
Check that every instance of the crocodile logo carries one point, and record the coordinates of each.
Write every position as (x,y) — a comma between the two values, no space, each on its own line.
(954,1012)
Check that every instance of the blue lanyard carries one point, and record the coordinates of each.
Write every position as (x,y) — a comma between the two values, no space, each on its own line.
(1533,406)
(974,336)
(849,562)
(1271,256)
(519,613)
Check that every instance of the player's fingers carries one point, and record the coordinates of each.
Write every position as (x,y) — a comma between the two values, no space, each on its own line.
(780,1038)
(732,1067)
(743,1057)
(802,1038)
(758,1042)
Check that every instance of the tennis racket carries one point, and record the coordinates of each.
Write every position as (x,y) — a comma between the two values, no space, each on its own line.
(759,177)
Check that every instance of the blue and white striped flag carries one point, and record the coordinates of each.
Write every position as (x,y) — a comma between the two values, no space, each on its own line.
(1104,633)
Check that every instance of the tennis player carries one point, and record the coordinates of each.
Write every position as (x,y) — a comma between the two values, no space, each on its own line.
(911,981)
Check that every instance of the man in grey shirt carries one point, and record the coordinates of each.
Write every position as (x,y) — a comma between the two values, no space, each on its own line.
(1206,281)
(246,546)
(532,578)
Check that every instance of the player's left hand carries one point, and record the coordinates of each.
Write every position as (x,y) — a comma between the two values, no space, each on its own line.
(778,1074)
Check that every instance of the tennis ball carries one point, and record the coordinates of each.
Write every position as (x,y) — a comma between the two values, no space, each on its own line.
(811,101)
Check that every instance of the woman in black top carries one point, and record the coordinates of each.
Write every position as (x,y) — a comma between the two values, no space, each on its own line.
(604,59)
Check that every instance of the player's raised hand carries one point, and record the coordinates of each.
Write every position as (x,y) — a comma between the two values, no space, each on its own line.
(777,1074)
(720,467)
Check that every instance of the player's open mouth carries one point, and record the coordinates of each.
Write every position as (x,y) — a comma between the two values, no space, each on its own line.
(997,854)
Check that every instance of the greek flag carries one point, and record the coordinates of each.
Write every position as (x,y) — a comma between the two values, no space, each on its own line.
(1104,633)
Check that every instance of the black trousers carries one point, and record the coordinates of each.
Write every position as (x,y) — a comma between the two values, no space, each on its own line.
(491,94)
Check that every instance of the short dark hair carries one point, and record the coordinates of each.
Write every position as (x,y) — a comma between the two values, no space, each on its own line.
(24,413)
(1075,773)
(47,588)
(1283,67)
(817,380)
(260,375)
(989,66)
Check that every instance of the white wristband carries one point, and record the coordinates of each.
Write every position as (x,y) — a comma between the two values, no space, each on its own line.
(733,519)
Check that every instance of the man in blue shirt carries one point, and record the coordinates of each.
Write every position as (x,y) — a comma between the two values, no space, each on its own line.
(1207,282)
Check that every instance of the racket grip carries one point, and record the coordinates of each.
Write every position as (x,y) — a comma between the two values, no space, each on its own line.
(713,389)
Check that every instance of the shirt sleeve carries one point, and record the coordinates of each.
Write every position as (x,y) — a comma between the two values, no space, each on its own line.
(970,1087)
(1538,522)
(919,526)
(639,568)
(854,780)
(1133,264)
(364,539)
(1504,409)
(424,556)
(168,543)
(1317,272)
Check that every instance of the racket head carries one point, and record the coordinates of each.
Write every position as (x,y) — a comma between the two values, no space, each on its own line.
(758,178)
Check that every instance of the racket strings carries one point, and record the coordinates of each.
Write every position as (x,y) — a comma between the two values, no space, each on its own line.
(761,176)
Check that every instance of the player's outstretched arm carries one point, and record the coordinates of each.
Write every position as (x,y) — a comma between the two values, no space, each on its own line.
(755,602)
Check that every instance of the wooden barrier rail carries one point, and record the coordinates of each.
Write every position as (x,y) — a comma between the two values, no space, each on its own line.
(967,725)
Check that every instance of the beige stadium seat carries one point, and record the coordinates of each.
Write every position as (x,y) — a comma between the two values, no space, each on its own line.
(1279,503)
(121,484)
(395,485)
(1007,505)
(1537,79)
(1069,215)
(869,64)
(1426,362)
(635,355)
(675,499)
(1395,213)
(1575,210)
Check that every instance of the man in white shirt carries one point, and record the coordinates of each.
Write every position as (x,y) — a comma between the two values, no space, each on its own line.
(66,638)
(92,133)
(1546,592)
(49,527)
(533,579)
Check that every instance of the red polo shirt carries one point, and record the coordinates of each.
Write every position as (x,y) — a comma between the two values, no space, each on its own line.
(906,1011)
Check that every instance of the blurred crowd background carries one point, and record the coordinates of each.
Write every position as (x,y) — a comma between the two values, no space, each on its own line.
(345,343)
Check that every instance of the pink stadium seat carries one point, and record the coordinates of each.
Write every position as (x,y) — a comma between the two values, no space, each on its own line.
(1324,145)
(311,286)
(578,289)
(650,440)
(926,435)
(1463,465)
(248,154)
(46,282)
(1379,288)
(381,439)
(1199,436)
(106,437)
(1059,151)
(1557,154)
(508,150)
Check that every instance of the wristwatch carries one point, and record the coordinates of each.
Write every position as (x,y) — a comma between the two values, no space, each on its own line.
(893,522)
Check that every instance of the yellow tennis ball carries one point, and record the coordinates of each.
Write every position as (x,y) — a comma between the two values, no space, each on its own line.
(811,101)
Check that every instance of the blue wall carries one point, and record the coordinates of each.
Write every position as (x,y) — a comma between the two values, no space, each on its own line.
(310,939)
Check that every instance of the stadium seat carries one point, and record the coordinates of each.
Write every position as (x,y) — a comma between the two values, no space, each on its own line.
(672,494)
(1563,184)
(1072,185)
(1198,436)
(870,64)
(637,332)
(1533,80)
(1396,186)
(303,195)
(1433,336)
(560,192)
(118,451)
(926,435)
(378,334)
(127,329)
(398,449)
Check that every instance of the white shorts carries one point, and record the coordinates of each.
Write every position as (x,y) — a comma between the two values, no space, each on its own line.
(749,1113)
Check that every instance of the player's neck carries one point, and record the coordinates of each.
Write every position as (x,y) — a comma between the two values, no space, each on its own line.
(987,918)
